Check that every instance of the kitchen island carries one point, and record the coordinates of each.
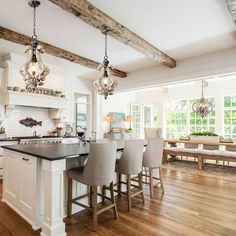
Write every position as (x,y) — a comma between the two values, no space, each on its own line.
(34,182)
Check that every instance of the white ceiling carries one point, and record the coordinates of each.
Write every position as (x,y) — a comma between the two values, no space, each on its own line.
(183,28)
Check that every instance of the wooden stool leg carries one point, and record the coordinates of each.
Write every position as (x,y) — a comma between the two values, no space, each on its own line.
(161,180)
(90,196)
(103,193)
(141,184)
(129,191)
(94,204)
(113,200)
(69,202)
(119,184)
(151,182)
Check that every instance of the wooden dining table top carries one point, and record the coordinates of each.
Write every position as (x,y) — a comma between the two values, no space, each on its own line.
(213,143)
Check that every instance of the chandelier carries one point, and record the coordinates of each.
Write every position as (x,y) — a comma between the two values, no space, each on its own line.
(202,106)
(34,71)
(105,83)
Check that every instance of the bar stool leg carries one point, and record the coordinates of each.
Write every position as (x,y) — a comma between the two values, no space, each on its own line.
(140,177)
(113,200)
(119,184)
(69,202)
(103,193)
(151,182)
(161,180)
(90,196)
(94,204)
(129,191)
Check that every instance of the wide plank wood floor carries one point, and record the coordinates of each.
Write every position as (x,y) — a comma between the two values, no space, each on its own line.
(195,203)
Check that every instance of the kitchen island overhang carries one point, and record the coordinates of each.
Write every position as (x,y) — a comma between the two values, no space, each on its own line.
(34,182)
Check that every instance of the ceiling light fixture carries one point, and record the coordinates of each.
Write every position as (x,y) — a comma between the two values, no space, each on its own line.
(202,106)
(105,83)
(34,71)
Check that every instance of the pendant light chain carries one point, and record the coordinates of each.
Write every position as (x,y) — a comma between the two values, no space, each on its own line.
(34,24)
(106,57)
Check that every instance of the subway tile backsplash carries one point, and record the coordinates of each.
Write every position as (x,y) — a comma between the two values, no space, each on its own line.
(14,115)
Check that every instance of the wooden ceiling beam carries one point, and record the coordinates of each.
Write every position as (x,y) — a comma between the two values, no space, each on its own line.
(15,37)
(98,19)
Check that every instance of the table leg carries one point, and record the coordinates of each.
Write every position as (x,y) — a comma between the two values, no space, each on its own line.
(53,173)
(200,162)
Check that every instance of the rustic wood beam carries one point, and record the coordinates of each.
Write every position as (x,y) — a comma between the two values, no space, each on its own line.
(98,19)
(55,51)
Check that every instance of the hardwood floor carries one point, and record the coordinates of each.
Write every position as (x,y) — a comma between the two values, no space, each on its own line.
(195,203)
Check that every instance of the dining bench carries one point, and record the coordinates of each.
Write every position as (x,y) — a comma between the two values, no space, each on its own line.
(200,154)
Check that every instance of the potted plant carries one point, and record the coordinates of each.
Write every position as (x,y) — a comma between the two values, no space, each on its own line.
(204,136)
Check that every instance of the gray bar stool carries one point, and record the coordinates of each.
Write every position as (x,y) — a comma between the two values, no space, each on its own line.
(129,164)
(98,171)
(152,159)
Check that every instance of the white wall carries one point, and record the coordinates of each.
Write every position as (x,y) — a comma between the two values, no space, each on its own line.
(187,69)
(63,76)
(118,102)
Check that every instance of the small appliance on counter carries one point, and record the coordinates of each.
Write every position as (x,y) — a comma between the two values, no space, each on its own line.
(3,134)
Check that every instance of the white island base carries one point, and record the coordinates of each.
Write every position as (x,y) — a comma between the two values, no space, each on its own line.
(36,189)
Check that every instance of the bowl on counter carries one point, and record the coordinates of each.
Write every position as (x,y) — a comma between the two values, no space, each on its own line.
(17,89)
(9,88)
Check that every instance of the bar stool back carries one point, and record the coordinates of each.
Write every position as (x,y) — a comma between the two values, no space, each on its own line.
(152,159)
(98,171)
(129,164)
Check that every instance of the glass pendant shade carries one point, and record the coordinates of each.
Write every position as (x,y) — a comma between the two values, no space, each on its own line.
(202,106)
(105,84)
(34,71)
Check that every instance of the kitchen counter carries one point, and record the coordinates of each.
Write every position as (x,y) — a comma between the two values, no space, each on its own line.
(56,151)
(34,182)
(9,139)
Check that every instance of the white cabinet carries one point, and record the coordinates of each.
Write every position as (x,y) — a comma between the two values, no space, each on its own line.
(4,143)
(20,184)
(27,182)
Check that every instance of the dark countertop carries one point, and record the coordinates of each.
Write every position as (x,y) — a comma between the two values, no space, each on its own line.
(9,140)
(56,151)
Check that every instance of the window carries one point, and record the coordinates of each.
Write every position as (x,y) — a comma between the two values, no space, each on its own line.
(180,120)
(199,124)
(136,112)
(230,116)
(176,118)
(82,113)
(145,116)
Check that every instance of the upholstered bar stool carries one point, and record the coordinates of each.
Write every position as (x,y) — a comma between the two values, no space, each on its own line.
(130,164)
(98,171)
(152,133)
(152,159)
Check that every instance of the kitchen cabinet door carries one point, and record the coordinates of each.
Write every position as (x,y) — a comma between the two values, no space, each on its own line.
(27,184)
(11,180)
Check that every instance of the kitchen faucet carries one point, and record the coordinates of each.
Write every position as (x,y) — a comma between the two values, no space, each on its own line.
(35,133)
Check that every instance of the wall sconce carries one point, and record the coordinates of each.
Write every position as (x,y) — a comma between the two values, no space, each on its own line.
(129,119)
(109,118)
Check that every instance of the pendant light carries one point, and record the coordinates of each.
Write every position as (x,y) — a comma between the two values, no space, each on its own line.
(105,83)
(34,71)
(202,106)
